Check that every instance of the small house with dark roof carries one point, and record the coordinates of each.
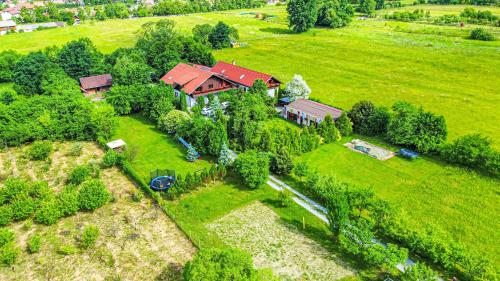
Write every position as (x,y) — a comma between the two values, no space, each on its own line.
(96,84)
(244,77)
(307,112)
(196,81)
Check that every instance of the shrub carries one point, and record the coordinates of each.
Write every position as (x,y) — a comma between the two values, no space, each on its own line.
(82,172)
(8,253)
(171,121)
(473,151)
(92,195)
(217,264)
(89,236)
(281,163)
(34,244)
(6,216)
(12,187)
(285,198)
(378,121)
(344,124)
(110,159)
(75,150)
(328,131)
(48,212)
(359,115)
(66,249)
(253,168)
(417,272)
(39,150)
(6,236)
(481,34)
(67,201)
(22,207)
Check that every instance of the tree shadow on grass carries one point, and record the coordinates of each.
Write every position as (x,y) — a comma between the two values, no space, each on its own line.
(277,30)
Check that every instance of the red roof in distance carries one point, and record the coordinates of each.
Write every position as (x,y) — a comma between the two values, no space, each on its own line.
(188,77)
(238,74)
(96,81)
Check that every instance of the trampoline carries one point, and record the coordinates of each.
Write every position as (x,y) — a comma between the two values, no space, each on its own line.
(162,183)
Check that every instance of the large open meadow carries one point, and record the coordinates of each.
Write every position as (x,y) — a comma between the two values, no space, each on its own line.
(432,66)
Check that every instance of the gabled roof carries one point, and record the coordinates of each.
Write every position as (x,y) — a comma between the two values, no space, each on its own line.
(97,81)
(240,75)
(315,109)
(188,77)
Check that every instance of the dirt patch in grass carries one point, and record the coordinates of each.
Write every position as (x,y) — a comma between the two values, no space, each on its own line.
(277,245)
(137,240)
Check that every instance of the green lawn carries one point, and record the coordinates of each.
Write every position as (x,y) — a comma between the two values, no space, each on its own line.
(155,150)
(461,203)
(432,66)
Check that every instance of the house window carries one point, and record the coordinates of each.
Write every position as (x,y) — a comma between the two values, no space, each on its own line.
(211,86)
(199,89)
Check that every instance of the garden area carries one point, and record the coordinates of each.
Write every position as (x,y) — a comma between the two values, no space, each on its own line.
(154,149)
(135,240)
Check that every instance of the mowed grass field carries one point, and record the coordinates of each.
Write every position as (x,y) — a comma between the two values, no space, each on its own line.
(382,61)
(455,202)
(439,10)
(154,149)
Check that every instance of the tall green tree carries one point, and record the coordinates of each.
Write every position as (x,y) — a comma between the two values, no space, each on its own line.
(328,131)
(344,124)
(334,13)
(302,14)
(219,38)
(338,212)
(80,58)
(28,73)
(253,168)
(367,7)
(131,69)
(8,60)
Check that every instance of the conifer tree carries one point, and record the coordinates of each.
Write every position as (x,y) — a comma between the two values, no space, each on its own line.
(224,157)
(192,154)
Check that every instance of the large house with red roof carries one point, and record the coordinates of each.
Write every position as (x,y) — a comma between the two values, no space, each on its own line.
(244,77)
(199,81)
(196,81)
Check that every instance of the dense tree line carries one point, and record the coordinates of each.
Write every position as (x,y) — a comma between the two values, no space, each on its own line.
(48,13)
(405,124)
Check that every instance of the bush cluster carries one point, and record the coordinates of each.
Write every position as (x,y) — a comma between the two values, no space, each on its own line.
(473,151)
(253,168)
(83,172)
(191,181)
(481,34)
(34,244)
(8,248)
(39,150)
(93,194)
(89,236)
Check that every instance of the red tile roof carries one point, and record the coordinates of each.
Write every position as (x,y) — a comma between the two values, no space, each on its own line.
(97,81)
(239,75)
(315,109)
(188,77)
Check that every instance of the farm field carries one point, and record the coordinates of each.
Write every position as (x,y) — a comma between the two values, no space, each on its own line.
(154,149)
(137,240)
(431,66)
(206,215)
(259,230)
(453,201)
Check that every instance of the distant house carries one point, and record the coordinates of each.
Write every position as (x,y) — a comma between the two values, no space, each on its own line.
(15,10)
(35,26)
(96,84)
(244,77)
(197,81)
(6,26)
(307,112)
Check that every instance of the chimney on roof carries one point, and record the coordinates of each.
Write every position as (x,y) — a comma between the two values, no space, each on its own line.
(234,62)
